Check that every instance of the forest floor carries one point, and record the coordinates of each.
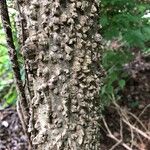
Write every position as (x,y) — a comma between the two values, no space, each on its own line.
(11,132)
(126,123)
(13,138)
(125,126)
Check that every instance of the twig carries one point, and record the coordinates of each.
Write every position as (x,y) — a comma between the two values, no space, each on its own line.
(12,51)
(119,142)
(132,137)
(121,135)
(20,114)
(115,145)
(121,129)
(136,129)
(143,110)
(21,22)
(138,120)
(124,114)
(126,121)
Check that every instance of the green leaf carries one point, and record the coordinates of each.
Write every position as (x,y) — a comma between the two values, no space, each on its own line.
(103,90)
(122,83)
(104,20)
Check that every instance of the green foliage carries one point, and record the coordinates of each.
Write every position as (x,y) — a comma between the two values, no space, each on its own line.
(8,93)
(123,21)
(116,77)
(125,18)
(7,89)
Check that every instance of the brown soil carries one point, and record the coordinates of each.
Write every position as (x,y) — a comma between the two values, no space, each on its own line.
(11,133)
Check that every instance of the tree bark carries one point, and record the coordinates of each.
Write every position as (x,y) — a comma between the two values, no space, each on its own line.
(62,73)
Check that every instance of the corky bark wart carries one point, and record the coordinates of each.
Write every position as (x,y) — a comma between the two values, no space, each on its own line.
(62,61)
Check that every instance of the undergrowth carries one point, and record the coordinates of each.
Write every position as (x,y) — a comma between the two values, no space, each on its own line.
(126,33)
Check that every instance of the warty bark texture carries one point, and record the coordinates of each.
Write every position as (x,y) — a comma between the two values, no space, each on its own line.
(63,73)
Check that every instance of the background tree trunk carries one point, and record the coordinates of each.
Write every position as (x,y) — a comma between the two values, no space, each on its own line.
(62,73)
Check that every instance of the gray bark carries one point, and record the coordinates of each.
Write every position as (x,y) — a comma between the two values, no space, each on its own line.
(63,73)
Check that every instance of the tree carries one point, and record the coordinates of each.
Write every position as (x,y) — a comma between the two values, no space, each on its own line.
(60,105)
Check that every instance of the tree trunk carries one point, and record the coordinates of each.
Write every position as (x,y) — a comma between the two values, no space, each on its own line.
(62,73)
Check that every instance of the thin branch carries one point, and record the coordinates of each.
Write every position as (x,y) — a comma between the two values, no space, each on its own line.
(12,52)
(137,130)
(21,22)
(15,64)
(114,146)
(143,110)
(121,129)
(138,120)
(119,142)
(126,121)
